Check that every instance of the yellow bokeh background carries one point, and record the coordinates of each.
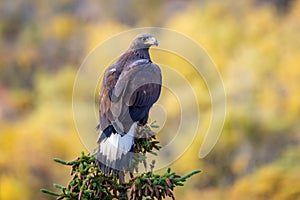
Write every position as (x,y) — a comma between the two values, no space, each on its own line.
(255,45)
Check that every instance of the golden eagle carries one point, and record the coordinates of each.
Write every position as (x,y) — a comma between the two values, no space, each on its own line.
(129,88)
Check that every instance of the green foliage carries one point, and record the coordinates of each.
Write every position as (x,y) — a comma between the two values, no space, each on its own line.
(88,182)
(146,140)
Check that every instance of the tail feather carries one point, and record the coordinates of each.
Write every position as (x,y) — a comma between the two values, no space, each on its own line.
(115,151)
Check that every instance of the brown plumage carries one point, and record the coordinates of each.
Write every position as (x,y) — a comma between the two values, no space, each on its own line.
(129,89)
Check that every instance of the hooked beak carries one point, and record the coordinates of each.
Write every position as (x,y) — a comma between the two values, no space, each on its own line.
(151,41)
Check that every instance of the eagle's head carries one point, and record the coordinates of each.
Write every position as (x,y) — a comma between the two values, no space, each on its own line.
(143,41)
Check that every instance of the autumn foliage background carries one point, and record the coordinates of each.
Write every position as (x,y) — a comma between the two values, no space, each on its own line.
(255,45)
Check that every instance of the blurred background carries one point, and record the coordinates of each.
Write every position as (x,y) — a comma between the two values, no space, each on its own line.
(255,44)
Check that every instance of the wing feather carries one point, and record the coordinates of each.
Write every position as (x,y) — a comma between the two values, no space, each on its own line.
(128,97)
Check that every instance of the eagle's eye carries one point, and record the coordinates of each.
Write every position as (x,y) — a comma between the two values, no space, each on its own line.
(144,39)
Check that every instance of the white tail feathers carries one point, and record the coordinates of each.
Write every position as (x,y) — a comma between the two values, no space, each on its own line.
(114,152)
